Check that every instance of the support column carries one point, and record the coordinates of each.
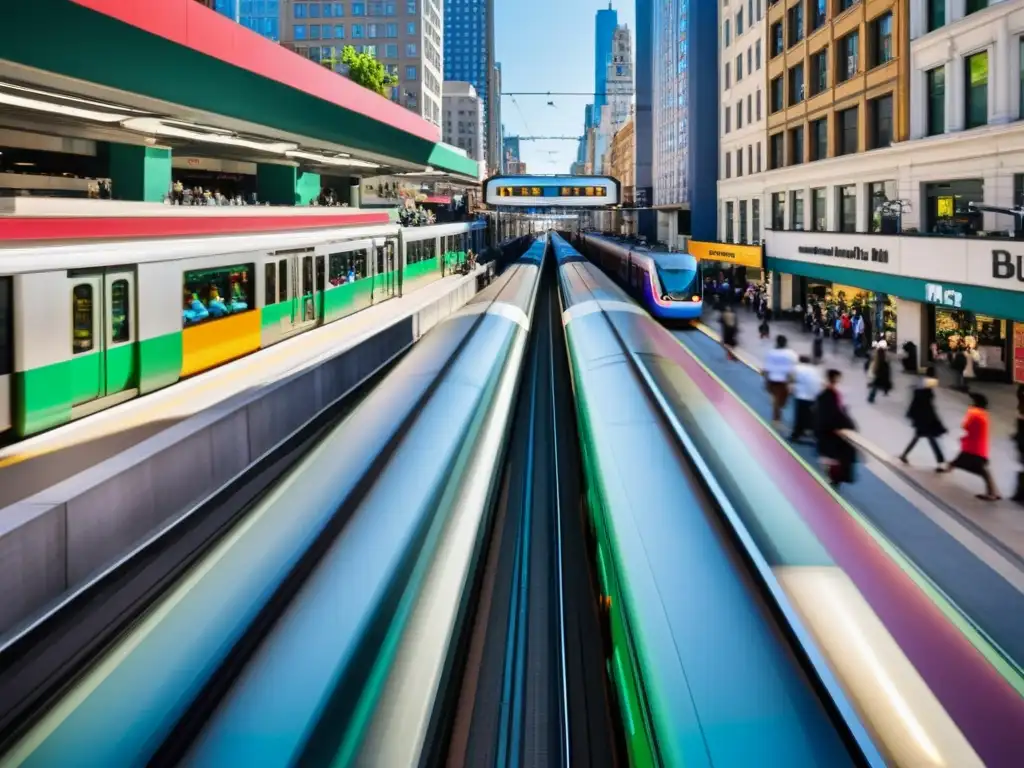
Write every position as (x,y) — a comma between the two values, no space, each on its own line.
(911,325)
(286,185)
(355,193)
(785,293)
(139,174)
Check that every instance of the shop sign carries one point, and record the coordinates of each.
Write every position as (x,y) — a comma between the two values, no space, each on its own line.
(1018,353)
(877,255)
(730,253)
(935,294)
(1007,266)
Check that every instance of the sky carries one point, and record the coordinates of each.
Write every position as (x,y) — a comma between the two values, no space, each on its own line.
(548,45)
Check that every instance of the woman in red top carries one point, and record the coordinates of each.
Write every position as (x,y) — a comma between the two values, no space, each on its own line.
(973,456)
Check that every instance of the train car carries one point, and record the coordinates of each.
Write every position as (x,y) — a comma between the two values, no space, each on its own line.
(86,326)
(668,284)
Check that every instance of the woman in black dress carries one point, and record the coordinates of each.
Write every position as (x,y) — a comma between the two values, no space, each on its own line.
(834,450)
(926,421)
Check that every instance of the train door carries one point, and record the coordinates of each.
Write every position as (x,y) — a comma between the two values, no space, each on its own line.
(299,284)
(386,279)
(103,323)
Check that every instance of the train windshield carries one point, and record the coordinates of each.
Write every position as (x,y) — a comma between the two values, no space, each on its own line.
(680,283)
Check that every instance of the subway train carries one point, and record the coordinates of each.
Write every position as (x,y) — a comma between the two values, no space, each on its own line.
(668,284)
(84,327)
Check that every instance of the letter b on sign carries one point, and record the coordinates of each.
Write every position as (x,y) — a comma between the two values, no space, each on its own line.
(1002,265)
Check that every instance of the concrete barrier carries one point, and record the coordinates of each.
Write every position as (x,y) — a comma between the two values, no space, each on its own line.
(57,540)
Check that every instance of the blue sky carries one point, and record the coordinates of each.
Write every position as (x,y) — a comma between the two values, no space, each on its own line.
(548,45)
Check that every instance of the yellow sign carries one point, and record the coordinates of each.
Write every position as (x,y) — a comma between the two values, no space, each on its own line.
(730,253)
(945,207)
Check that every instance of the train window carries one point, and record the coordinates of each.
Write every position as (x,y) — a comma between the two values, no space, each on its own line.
(307,275)
(347,267)
(6,326)
(282,280)
(81,313)
(120,312)
(321,273)
(211,294)
(270,284)
(412,253)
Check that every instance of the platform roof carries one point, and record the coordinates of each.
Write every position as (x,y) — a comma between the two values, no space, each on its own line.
(179,60)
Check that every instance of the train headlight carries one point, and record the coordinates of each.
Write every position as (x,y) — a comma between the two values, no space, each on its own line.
(695,298)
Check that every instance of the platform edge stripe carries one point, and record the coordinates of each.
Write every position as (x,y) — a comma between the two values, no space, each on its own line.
(987,648)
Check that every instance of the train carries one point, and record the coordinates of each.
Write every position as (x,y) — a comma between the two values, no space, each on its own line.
(84,327)
(667,284)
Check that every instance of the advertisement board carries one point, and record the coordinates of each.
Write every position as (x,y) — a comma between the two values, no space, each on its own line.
(727,253)
(1018,353)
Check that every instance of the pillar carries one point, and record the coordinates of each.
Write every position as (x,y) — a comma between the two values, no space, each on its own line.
(355,193)
(912,325)
(138,173)
(286,185)
(785,293)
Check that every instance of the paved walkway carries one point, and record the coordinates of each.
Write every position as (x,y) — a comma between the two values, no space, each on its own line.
(884,431)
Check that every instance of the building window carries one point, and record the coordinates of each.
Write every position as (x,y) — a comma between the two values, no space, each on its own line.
(881,121)
(817,14)
(936,14)
(776,40)
(881,40)
(299,10)
(739,23)
(796,200)
(758,103)
(879,193)
(750,59)
(743,222)
(728,81)
(410,73)
(726,33)
(976,67)
(299,32)
(357,31)
(728,122)
(796,146)
(777,102)
(728,223)
(410,49)
(848,208)
(819,71)
(750,159)
(755,220)
(1020,83)
(846,121)
(739,162)
(973,6)
(739,114)
(739,67)
(819,139)
(819,210)
(339,31)
(775,157)
(948,206)
(844,5)
(728,165)
(757,53)
(936,81)
(796,84)
(795,22)
(778,211)
(759,157)
(847,57)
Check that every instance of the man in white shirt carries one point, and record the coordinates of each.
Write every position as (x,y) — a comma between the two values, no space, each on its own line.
(779,365)
(806,388)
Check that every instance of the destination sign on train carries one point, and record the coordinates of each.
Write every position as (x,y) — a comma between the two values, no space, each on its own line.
(552,191)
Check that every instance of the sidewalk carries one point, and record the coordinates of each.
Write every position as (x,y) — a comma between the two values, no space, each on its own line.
(885,430)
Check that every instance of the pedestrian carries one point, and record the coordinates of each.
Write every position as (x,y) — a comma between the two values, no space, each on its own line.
(973,456)
(1019,439)
(818,344)
(925,419)
(835,452)
(730,330)
(807,386)
(779,366)
(879,373)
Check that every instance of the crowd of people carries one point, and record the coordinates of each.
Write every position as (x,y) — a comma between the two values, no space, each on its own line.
(820,409)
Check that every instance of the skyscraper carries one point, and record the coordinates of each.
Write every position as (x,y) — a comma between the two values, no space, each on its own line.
(606,22)
(262,18)
(643,129)
(685,112)
(469,51)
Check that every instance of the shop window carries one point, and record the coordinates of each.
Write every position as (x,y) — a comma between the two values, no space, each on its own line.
(880,110)
(796,200)
(976,76)
(120,312)
(795,23)
(6,325)
(755,220)
(796,84)
(881,40)
(847,57)
(778,211)
(879,193)
(743,221)
(347,267)
(936,83)
(819,210)
(936,14)
(818,139)
(213,294)
(819,71)
(948,210)
(796,146)
(728,222)
(848,208)
(775,151)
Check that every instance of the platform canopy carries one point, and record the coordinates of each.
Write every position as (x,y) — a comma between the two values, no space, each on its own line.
(173,73)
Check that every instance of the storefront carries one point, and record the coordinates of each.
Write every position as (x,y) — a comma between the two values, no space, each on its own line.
(953,291)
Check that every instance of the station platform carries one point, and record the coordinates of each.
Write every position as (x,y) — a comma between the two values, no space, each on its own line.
(35,464)
(972,551)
